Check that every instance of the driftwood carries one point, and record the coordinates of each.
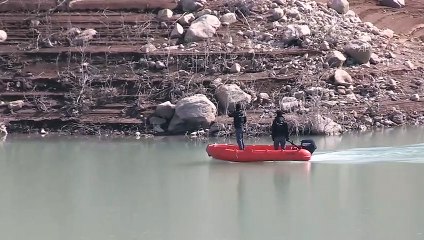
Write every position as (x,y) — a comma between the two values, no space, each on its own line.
(48,5)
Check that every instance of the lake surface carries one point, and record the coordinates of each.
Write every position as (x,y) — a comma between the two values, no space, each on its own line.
(361,186)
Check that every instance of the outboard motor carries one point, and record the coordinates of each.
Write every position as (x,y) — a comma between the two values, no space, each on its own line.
(309,145)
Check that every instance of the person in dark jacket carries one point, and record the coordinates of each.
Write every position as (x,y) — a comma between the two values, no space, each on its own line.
(280,131)
(239,122)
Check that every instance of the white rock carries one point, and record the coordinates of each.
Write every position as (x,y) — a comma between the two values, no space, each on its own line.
(193,113)
(341,6)
(410,65)
(160,65)
(178,31)
(186,19)
(387,33)
(343,78)
(165,14)
(324,125)
(202,28)
(165,110)
(289,104)
(229,18)
(393,3)
(359,51)
(415,97)
(292,32)
(3,36)
(15,105)
(230,94)
(335,59)
(148,48)
(86,35)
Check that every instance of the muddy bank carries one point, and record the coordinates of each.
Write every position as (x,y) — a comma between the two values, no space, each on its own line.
(91,73)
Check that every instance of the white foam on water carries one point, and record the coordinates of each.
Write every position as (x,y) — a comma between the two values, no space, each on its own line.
(410,153)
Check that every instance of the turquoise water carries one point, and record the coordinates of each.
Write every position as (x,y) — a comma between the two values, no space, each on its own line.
(365,186)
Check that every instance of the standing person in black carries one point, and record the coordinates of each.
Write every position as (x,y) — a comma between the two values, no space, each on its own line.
(280,131)
(239,122)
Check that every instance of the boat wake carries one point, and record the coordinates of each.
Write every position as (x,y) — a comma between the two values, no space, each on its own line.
(410,153)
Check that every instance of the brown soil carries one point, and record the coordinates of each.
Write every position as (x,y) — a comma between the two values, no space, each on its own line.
(122,94)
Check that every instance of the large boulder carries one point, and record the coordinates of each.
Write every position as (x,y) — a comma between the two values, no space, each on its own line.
(121,4)
(192,113)
(230,94)
(202,28)
(321,125)
(341,6)
(3,36)
(165,110)
(292,32)
(359,51)
(393,3)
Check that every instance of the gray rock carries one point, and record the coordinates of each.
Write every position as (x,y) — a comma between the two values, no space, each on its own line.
(342,78)
(367,120)
(85,36)
(335,59)
(203,12)
(230,94)
(186,19)
(300,95)
(157,120)
(235,68)
(177,32)
(192,113)
(229,18)
(165,110)
(264,98)
(341,6)
(293,13)
(277,14)
(393,3)
(202,28)
(374,59)
(165,14)
(359,51)
(321,125)
(191,5)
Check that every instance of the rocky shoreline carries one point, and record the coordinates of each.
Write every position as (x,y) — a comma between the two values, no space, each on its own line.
(180,70)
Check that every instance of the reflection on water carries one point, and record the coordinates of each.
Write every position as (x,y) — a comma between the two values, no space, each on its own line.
(149,190)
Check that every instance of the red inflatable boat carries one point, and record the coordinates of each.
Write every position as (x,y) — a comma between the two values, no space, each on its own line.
(258,153)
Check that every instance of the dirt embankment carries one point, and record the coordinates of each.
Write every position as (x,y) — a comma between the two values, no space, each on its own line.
(108,83)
